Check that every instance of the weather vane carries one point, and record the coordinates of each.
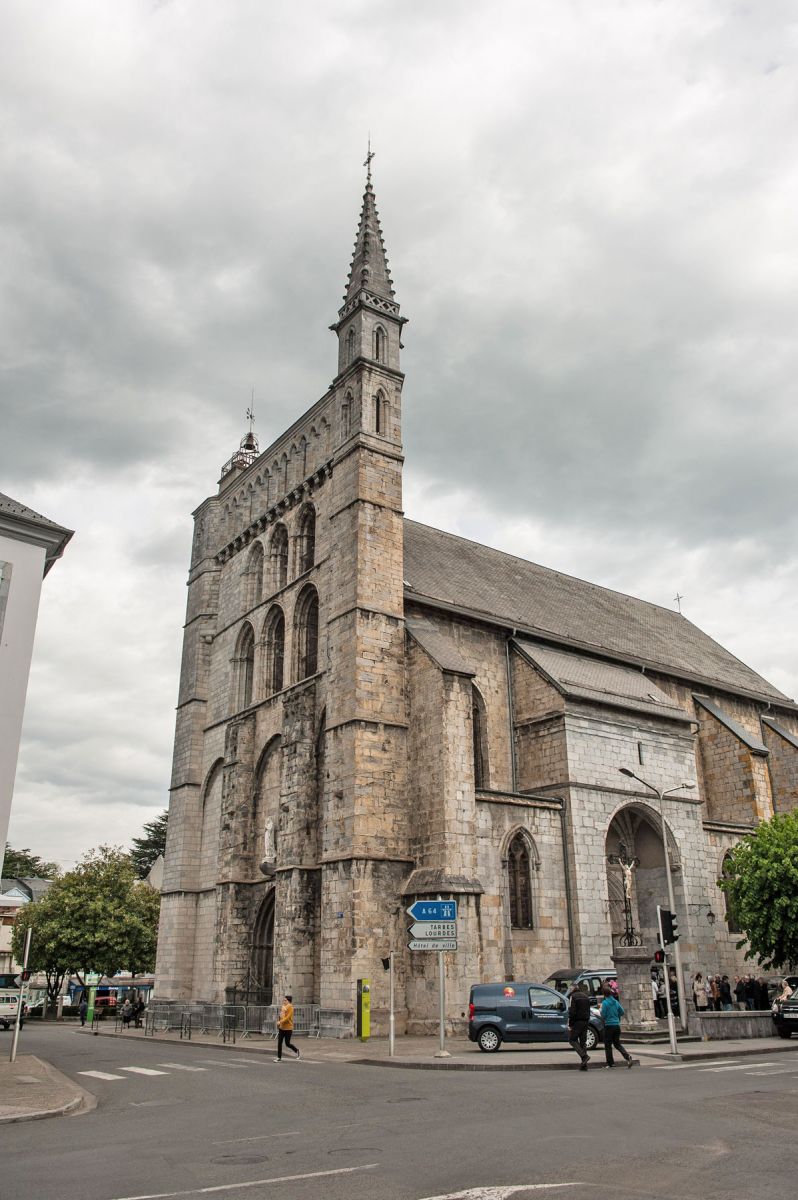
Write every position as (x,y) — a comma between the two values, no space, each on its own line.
(678,599)
(367,163)
(251,411)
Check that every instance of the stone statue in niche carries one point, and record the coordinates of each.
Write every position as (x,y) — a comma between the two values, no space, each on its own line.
(269,863)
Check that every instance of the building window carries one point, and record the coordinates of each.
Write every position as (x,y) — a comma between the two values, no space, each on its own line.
(380,342)
(479,734)
(520,883)
(274,651)
(380,414)
(307,540)
(346,415)
(732,921)
(254,575)
(245,666)
(350,346)
(306,632)
(278,553)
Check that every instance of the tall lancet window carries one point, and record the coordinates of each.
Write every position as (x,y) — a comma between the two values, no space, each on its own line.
(245,667)
(278,555)
(479,734)
(520,883)
(380,342)
(350,347)
(306,633)
(274,651)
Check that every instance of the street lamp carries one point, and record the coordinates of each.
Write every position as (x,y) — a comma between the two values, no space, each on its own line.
(671,902)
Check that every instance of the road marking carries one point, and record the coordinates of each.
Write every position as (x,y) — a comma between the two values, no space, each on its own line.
(501,1193)
(740,1067)
(257,1061)
(259,1137)
(221,1062)
(776,1071)
(232,1187)
(180,1067)
(143,1071)
(100,1075)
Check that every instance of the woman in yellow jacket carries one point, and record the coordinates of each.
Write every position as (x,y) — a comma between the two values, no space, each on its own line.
(285,1027)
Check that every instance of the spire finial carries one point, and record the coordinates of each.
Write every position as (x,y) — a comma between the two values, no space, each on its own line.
(367,163)
(251,410)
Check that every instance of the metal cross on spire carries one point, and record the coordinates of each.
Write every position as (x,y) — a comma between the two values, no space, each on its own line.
(367,163)
(678,600)
(251,411)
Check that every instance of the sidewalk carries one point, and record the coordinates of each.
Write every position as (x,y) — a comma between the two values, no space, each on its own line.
(31,1089)
(419,1052)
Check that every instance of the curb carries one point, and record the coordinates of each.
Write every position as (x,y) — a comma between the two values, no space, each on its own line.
(80,1103)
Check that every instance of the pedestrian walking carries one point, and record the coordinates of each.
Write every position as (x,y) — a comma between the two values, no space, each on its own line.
(611,1013)
(83,1009)
(578,1021)
(285,1027)
(699,992)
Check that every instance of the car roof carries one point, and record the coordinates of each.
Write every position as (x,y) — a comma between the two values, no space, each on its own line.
(573,972)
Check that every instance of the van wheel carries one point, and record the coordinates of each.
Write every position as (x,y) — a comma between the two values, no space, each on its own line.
(489,1040)
(591,1038)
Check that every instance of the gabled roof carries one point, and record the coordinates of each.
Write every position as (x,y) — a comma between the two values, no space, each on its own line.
(582,678)
(463,576)
(26,525)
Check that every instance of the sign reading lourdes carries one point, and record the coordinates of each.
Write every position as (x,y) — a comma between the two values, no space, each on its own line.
(435,928)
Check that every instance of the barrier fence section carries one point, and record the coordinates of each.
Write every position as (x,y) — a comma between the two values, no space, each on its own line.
(230,1021)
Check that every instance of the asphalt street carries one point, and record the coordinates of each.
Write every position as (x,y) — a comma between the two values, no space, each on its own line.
(191,1121)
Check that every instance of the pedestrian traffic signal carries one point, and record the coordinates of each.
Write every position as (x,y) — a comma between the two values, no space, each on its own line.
(667,926)
(659,956)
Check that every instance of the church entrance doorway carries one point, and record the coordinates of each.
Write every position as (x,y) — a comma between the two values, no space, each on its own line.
(262,958)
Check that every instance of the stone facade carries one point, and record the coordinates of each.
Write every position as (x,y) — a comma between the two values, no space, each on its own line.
(351,737)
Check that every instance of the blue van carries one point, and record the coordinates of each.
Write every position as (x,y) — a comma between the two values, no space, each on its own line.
(522,1012)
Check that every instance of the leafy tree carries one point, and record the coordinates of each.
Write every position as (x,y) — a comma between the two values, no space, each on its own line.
(22,864)
(99,917)
(761,883)
(152,843)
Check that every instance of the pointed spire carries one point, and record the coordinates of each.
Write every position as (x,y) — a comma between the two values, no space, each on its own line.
(369,269)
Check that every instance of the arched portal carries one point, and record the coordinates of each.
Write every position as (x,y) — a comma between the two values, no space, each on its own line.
(263,950)
(635,833)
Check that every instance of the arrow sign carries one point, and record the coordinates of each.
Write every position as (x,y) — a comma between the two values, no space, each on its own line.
(433,910)
(434,944)
(433,929)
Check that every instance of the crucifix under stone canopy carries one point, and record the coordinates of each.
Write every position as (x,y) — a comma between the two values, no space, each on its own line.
(627,863)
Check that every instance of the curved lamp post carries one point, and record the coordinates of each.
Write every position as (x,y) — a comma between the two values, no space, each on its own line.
(671,902)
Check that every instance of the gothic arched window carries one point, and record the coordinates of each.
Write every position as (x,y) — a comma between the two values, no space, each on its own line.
(306,633)
(520,883)
(254,576)
(479,734)
(274,651)
(380,414)
(245,666)
(346,415)
(380,342)
(350,346)
(307,539)
(278,556)
(732,921)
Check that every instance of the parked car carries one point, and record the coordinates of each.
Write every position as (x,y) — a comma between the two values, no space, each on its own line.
(595,977)
(785,1015)
(9,1003)
(522,1012)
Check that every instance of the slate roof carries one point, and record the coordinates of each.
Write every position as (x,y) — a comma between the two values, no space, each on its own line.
(605,683)
(498,587)
(38,529)
(748,739)
(441,649)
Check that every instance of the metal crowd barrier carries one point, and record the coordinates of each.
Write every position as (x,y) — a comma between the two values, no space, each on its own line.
(230,1021)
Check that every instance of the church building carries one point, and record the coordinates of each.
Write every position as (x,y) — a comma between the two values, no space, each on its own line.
(372,711)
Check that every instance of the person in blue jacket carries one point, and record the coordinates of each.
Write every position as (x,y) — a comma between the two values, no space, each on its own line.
(611,1013)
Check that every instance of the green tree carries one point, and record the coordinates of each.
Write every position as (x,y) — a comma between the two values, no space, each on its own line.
(22,864)
(152,843)
(761,883)
(99,917)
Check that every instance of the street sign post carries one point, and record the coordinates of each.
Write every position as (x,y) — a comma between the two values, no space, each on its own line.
(433,910)
(432,944)
(433,929)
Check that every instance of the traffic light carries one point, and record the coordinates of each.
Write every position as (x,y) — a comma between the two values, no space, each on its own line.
(659,956)
(667,926)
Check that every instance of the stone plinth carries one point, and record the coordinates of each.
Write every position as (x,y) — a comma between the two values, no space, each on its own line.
(633,964)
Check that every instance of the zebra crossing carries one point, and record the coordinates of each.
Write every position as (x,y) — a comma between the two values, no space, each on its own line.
(167,1068)
(760,1069)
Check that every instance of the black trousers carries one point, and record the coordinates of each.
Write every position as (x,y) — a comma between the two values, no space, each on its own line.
(612,1037)
(577,1036)
(284,1036)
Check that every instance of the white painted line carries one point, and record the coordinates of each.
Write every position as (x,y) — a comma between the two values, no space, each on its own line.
(740,1067)
(502,1193)
(143,1071)
(258,1137)
(100,1075)
(180,1067)
(257,1061)
(221,1062)
(777,1071)
(232,1187)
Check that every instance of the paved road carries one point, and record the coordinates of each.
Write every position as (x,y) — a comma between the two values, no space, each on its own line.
(190,1121)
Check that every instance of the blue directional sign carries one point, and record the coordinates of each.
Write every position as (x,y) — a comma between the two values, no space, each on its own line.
(433,910)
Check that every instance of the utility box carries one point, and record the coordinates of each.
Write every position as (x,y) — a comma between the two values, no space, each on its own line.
(363,1009)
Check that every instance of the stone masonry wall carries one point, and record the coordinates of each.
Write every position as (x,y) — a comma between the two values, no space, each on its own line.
(783,769)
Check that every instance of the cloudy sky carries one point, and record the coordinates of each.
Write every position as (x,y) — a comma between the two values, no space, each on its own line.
(591,212)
